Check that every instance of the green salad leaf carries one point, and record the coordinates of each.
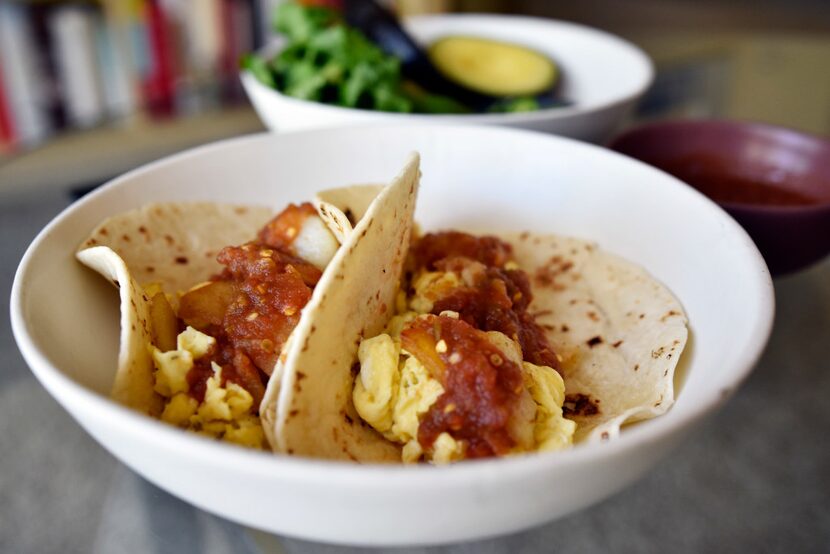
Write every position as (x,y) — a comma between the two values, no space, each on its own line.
(325,60)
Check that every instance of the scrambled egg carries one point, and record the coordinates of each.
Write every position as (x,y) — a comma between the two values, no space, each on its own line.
(225,412)
(394,390)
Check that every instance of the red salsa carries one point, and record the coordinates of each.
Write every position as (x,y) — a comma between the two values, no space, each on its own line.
(252,306)
(497,299)
(481,385)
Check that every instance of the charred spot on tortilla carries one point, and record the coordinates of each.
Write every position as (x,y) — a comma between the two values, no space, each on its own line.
(125,238)
(617,344)
(350,216)
(594,341)
(656,353)
(669,314)
(181,260)
(579,404)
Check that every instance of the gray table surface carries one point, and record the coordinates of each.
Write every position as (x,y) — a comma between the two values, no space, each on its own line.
(754,478)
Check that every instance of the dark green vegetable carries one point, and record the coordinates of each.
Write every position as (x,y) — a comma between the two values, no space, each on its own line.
(327,61)
(516,105)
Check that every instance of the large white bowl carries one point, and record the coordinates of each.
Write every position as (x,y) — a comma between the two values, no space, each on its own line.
(65,319)
(603,75)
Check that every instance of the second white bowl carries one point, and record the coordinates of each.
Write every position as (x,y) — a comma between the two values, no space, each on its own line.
(603,76)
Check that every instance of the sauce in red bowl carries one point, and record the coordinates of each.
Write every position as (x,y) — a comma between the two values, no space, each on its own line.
(772,180)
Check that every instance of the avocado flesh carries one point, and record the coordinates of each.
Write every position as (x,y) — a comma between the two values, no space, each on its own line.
(492,67)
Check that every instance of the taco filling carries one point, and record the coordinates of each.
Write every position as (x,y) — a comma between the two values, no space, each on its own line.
(463,370)
(236,325)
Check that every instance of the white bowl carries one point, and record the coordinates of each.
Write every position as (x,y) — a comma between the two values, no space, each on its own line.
(602,74)
(65,319)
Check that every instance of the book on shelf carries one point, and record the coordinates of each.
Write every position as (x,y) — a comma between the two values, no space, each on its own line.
(73,30)
(77,64)
(23,81)
(7,134)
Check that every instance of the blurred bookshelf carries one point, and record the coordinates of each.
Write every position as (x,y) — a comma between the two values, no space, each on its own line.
(90,88)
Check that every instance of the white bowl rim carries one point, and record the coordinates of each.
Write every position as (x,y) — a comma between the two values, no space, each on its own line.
(377,476)
(564,112)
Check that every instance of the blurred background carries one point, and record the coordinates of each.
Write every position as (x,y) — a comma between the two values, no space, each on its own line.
(89,89)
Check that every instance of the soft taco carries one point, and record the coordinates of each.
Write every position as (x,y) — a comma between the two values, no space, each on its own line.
(520,343)
(212,296)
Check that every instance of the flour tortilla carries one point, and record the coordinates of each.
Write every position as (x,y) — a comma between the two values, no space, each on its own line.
(175,244)
(310,407)
(342,208)
(619,330)
(133,386)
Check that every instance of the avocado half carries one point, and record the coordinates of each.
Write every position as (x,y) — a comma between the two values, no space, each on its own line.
(492,67)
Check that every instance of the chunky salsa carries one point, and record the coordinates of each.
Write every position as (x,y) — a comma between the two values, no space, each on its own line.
(497,294)
(483,387)
(252,306)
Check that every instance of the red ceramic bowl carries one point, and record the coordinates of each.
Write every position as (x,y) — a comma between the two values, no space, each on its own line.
(774,181)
